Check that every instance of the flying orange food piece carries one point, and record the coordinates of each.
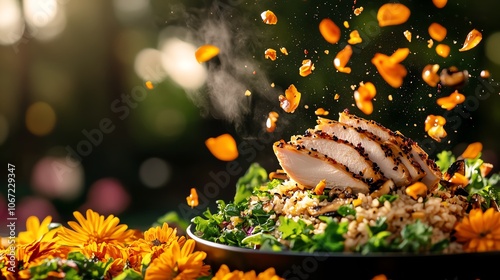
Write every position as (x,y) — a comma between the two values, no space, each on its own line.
(272,118)
(451,101)
(206,52)
(342,58)
(306,68)
(434,126)
(390,68)
(192,199)
(329,30)
(268,17)
(270,54)
(437,31)
(354,38)
(443,50)
(439,3)
(392,14)
(472,40)
(223,147)
(363,97)
(290,101)
(472,150)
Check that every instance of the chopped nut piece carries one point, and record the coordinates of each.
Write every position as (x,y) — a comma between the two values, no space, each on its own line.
(392,14)
(437,31)
(329,30)
(363,97)
(342,58)
(272,118)
(407,35)
(270,54)
(206,52)
(430,43)
(283,51)
(354,38)
(472,40)
(450,102)
(336,96)
(452,77)
(268,17)
(321,112)
(390,68)
(290,101)
(443,50)
(358,11)
(306,68)
(434,127)
(192,199)
(430,75)
(472,151)
(248,93)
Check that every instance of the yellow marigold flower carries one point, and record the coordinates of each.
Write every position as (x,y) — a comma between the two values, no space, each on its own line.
(479,231)
(29,255)
(36,230)
(224,273)
(178,263)
(94,228)
(105,252)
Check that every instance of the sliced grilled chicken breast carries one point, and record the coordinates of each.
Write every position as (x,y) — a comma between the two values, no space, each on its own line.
(342,151)
(308,168)
(408,146)
(378,152)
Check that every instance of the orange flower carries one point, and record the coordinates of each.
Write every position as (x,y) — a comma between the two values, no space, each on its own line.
(479,232)
(94,228)
(157,239)
(36,230)
(107,252)
(178,263)
(225,274)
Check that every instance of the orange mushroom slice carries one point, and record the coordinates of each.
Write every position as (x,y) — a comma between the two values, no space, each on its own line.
(206,52)
(223,147)
(268,17)
(434,126)
(451,101)
(392,14)
(290,101)
(390,68)
(472,40)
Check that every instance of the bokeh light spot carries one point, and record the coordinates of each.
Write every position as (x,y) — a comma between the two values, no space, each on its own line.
(107,196)
(40,118)
(492,47)
(155,172)
(4,129)
(147,65)
(54,178)
(11,22)
(181,65)
(35,206)
(170,122)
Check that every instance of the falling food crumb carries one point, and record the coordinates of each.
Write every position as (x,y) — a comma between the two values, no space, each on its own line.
(272,85)
(451,101)
(392,14)
(358,11)
(306,68)
(327,51)
(346,24)
(407,35)
(364,96)
(485,74)
(329,30)
(270,54)
(430,43)
(434,126)
(284,51)
(192,199)
(290,101)
(336,96)
(248,93)
(149,85)
(272,118)
(390,97)
(321,112)
(268,17)
(354,38)
(342,58)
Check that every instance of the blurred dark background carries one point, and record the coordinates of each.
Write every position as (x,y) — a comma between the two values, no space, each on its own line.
(83,130)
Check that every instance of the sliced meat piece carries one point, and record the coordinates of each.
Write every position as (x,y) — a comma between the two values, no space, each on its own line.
(341,151)
(308,168)
(432,172)
(379,153)
(413,167)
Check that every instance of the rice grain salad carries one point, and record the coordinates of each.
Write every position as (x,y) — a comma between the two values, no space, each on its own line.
(362,190)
